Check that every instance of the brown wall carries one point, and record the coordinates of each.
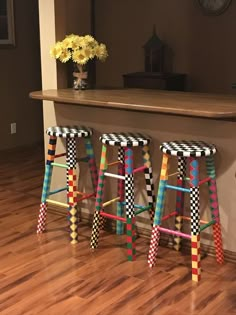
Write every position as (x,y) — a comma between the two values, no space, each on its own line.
(20,74)
(203,47)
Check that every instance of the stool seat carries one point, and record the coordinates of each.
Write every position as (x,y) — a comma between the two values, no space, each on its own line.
(127,139)
(188,148)
(69,131)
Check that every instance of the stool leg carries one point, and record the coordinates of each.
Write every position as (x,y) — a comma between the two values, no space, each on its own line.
(155,237)
(99,200)
(129,205)
(91,163)
(179,200)
(195,219)
(46,184)
(121,194)
(149,181)
(72,188)
(215,209)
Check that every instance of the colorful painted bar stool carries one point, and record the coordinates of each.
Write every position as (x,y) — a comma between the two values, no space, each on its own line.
(187,151)
(125,143)
(73,196)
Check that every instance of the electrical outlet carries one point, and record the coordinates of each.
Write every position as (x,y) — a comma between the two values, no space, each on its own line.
(13,128)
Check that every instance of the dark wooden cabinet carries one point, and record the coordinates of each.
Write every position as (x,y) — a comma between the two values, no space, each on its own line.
(155,80)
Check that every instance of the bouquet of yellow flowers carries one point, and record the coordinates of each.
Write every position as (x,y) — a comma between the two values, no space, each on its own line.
(80,49)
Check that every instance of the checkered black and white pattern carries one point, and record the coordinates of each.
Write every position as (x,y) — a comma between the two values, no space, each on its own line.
(125,139)
(195,210)
(188,148)
(95,230)
(121,155)
(69,131)
(150,190)
(129,195)
(181,168)
(71,153)
(154,244)
(42,217)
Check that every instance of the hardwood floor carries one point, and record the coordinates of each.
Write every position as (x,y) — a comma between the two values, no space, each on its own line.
(46,275)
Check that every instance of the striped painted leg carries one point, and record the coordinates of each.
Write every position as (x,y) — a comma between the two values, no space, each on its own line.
(131,238)
(95,230)
(154,244)
(97,219)
(155,237)
(129,205)
(120,207)
(91,163)
(149,181)
(72,188)
(179,200)
(46,184)
(215,210)
(195,220)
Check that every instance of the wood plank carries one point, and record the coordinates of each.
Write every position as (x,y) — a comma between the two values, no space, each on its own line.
(217,106)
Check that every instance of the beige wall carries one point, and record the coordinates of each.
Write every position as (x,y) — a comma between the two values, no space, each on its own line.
(127,23)
(19,75)
(57,19)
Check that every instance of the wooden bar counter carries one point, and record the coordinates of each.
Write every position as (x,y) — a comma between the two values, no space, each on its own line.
(215,106)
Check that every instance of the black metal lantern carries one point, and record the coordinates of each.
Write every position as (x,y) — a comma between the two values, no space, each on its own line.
(154,54)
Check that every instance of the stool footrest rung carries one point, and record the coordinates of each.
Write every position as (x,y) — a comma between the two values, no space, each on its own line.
(142,210)
(60,155)
(57,191)
(112,216)
(139,169)
(188,219)
(205,180)
(203,227)
(178,188)
(113,163)
(114,175)
(85,196)
(110,201)
(177,233)
(57,203)
(169,215)
(175,213)
(136,206)
(59,165)
(83,159)
(173,174)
